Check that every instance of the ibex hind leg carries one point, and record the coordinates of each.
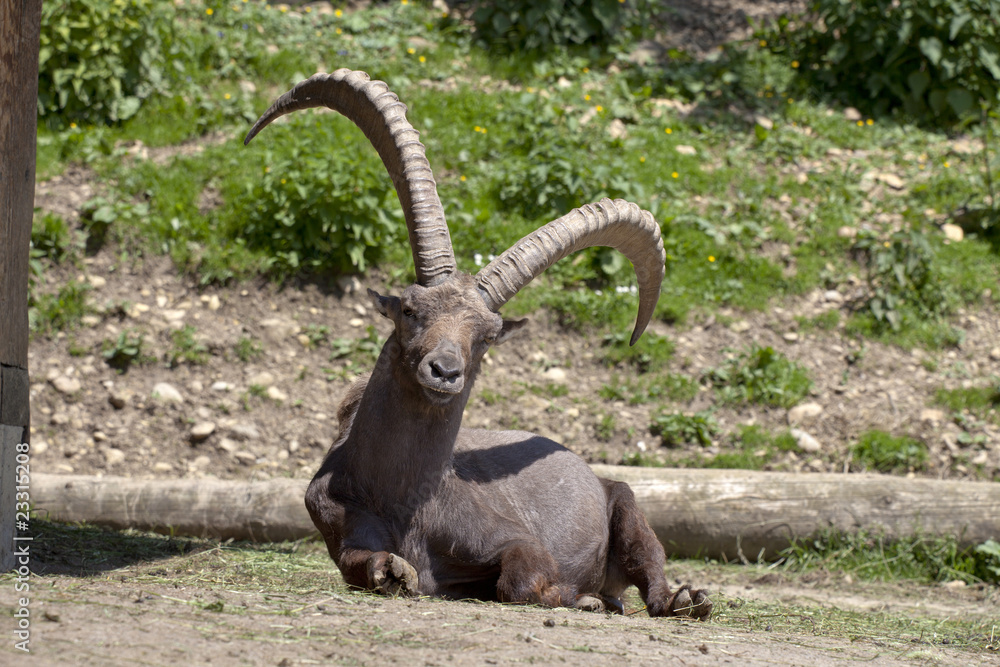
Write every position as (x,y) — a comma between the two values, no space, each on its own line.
(636,557)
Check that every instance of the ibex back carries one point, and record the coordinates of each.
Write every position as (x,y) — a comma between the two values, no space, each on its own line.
(407,500)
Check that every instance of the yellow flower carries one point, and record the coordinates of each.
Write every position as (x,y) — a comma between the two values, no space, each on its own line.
(267,170)
(476,128)
(284,9)
(885,244)
(674,175)
(795,64)
(711,258)
(763,42)
(668,130)
(337,13)
(283,181)
(586,98)
(462,178)
(586,70)
(423,59)
(869,122)
(642,158)
(861,123)
(404,2)
(72,126)
(209,11)
(227,96)
(411,50)
(308,9)
(947,164)
(598,108)
(530,89)
(790,100)
(339,31)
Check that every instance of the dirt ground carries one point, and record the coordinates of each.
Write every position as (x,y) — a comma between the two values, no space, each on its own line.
(274,415)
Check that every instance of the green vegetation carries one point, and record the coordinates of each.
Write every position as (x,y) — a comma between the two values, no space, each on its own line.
(124,350)
(247,349)
(880,451)
(872,555)
(678,429)
(650,388)
(982,402)
(58,312)
(761,375)
(186,348)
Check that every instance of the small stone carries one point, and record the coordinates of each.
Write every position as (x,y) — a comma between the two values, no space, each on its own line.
(304,340)
(349,284)
(162,466)
(846,232)
(65,385)
(119,398)
(995,354)
(563,82)
(59,419)
(276,394)
(173,315)
(686,150)
(790,336)
(227,445)
(90,320)
(892,180)
(932,415)
(806,442)
(293,446)
(277,329)
(954,585)
(356,322)
(196,386)
(114,456)
(164,392)
(244,431)
(555,374)
(97,282)
(952,232)
(262,379)
(221,386)
(39,446)
(740,326)
(245,457)
(201,462)
(360,310)
(214,303)
(764,122)
(850,113)
(833,296)
(804,413)
(617,130)
(100,436)
(201,431)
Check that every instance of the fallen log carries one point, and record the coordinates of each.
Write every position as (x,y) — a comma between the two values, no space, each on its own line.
(730,514)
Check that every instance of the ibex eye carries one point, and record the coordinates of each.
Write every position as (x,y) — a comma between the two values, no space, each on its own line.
(408,312)
(488,341)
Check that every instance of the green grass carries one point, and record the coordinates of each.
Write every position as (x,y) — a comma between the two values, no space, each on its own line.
(760,375)
(982,402)
(882,452)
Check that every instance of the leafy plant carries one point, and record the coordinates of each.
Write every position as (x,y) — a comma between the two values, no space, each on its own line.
(651,352)
(761,375)
(247,349)
(886,453)
(901,278)
(678,429)
(99,59)
(606,427)
(651,387)
(938,60)
(60,311)
(364,349)
(520,25)
(977,400)
(186,348)
(52,237)
(124,351)
(312,208)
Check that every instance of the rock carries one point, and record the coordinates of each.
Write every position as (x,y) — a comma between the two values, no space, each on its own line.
(244,431)
(227,445)
(995,354)
(764,122)
(249,87)
(850,113)
(954,585)
(802,414)
(846,232)
(162,466)
(262,379)
(563,82)
(65,385)
(100,436)
(686,150)
(90,320)
(214,303)
(892,180)
(114,456)
(790,337)
(245,457)
(59,418)
(119,398)
(196,386)
(277,329)
(200,462)
(646,52)
(616,129)
(221,386)
(833,296)
(201,431)
(349,284)
(555,374)
(740,326)
(276,394)
(164,392)
(356,322)
(173,315)
(932,415)
(952,232)
(806,442)
(97,282)
(39,446)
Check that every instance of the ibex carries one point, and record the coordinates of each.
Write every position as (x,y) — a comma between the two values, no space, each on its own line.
(407,500)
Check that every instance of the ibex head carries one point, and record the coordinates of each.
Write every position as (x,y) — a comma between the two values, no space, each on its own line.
(446,322)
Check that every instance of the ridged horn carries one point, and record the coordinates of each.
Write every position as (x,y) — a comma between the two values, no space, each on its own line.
(382,117)
(618,224)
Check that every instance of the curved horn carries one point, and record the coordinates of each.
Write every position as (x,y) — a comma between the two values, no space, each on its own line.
(619,224)
(382,117)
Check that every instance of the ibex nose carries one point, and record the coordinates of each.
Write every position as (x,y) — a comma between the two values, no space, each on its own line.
(446,367)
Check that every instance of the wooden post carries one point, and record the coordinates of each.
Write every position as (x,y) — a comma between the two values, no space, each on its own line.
(20,22)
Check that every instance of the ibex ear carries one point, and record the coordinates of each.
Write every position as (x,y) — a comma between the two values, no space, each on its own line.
(510,327)
(387,306)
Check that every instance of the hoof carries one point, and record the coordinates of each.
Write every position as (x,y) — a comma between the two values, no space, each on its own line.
(398,577)
(589,603)
(690,603)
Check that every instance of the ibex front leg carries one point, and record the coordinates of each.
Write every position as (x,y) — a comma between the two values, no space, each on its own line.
(528,573)
(380,571)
